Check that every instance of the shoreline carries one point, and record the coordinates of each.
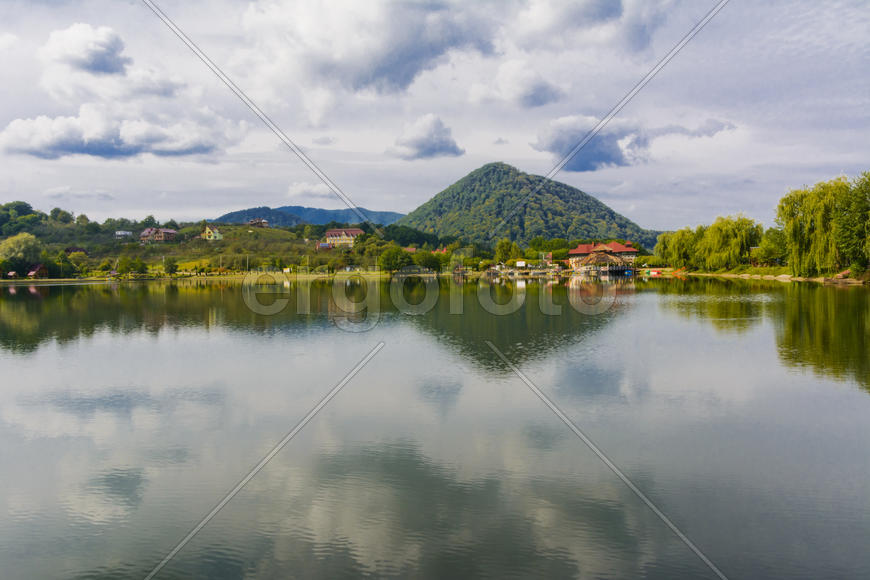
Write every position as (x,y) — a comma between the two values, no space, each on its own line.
(785,278)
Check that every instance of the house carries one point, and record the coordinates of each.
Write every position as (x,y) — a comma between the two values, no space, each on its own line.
(410,250)
(123,234)
(211,233)
(12,275)
(342,237)
(38,271)
(157,235)
(614,252)
(258,223)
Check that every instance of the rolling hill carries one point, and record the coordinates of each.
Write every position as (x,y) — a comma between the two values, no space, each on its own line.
(291,215)
(472,207)
(275,217)
(313,215)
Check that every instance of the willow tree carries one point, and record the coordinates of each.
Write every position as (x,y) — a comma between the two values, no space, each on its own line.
(851,223)
(727,241)
(808,218)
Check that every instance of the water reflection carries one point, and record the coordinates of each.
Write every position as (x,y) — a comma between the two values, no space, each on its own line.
(822,328)
(128,410)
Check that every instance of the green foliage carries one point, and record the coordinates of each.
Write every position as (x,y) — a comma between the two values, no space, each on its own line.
(170,265)
(19,252)
(394,258)
(503,251)
(475,205)
(427,260)
(61,216)
(725,244)
(826,226)
(773,249)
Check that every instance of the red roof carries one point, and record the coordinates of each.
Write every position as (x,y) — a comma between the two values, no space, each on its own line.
(614,247)
(344,231)
(582,249)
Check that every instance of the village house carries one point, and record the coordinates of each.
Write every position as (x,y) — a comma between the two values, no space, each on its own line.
(342,237)
(211,233)
(157,235)
(123,234)
(610,252)
(38,271)
(258,223)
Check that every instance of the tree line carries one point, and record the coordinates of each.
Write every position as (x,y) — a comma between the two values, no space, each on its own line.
(819,230)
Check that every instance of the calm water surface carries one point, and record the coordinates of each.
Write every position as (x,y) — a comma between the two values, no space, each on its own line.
(741,409)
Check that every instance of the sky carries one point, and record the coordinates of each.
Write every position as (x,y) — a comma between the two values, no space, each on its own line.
(104,111)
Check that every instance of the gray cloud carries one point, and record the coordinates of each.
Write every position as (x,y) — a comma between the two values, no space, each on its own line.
(425,138)
(380,46)
(619,144)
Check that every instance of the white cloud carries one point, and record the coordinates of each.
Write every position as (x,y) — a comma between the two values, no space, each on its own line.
(519,83)
(7,41)
(83,47)
(113,121)
(309,191)
(426,137)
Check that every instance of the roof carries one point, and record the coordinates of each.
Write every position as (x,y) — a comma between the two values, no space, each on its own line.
(581,249)
(613,247)
(152,231)
(344,232)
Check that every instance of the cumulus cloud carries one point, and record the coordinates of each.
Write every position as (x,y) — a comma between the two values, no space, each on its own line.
(97,132)
(115,120)
(519,83)
(425,138)
(362,45)
(620,143)
(306,190)
(323,140)
(81,46)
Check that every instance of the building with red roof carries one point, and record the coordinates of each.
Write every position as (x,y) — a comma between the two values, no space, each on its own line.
(342,236)
(582,253)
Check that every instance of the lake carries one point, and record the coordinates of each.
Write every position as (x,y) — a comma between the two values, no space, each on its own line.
(740,409)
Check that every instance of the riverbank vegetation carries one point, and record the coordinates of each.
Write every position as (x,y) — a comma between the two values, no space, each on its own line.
(820,230)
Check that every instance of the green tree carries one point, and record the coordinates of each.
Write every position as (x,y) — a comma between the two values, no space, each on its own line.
(82,220)
(20,251)
(503,251)
(808,218)
(149,222)
(61,216)
(428,260)
(394,258)
(772,251)
(851,223)
(170,265)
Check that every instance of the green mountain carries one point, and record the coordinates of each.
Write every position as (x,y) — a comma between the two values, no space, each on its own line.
(290,215)
(474,206)
(315,215)
(275,217)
